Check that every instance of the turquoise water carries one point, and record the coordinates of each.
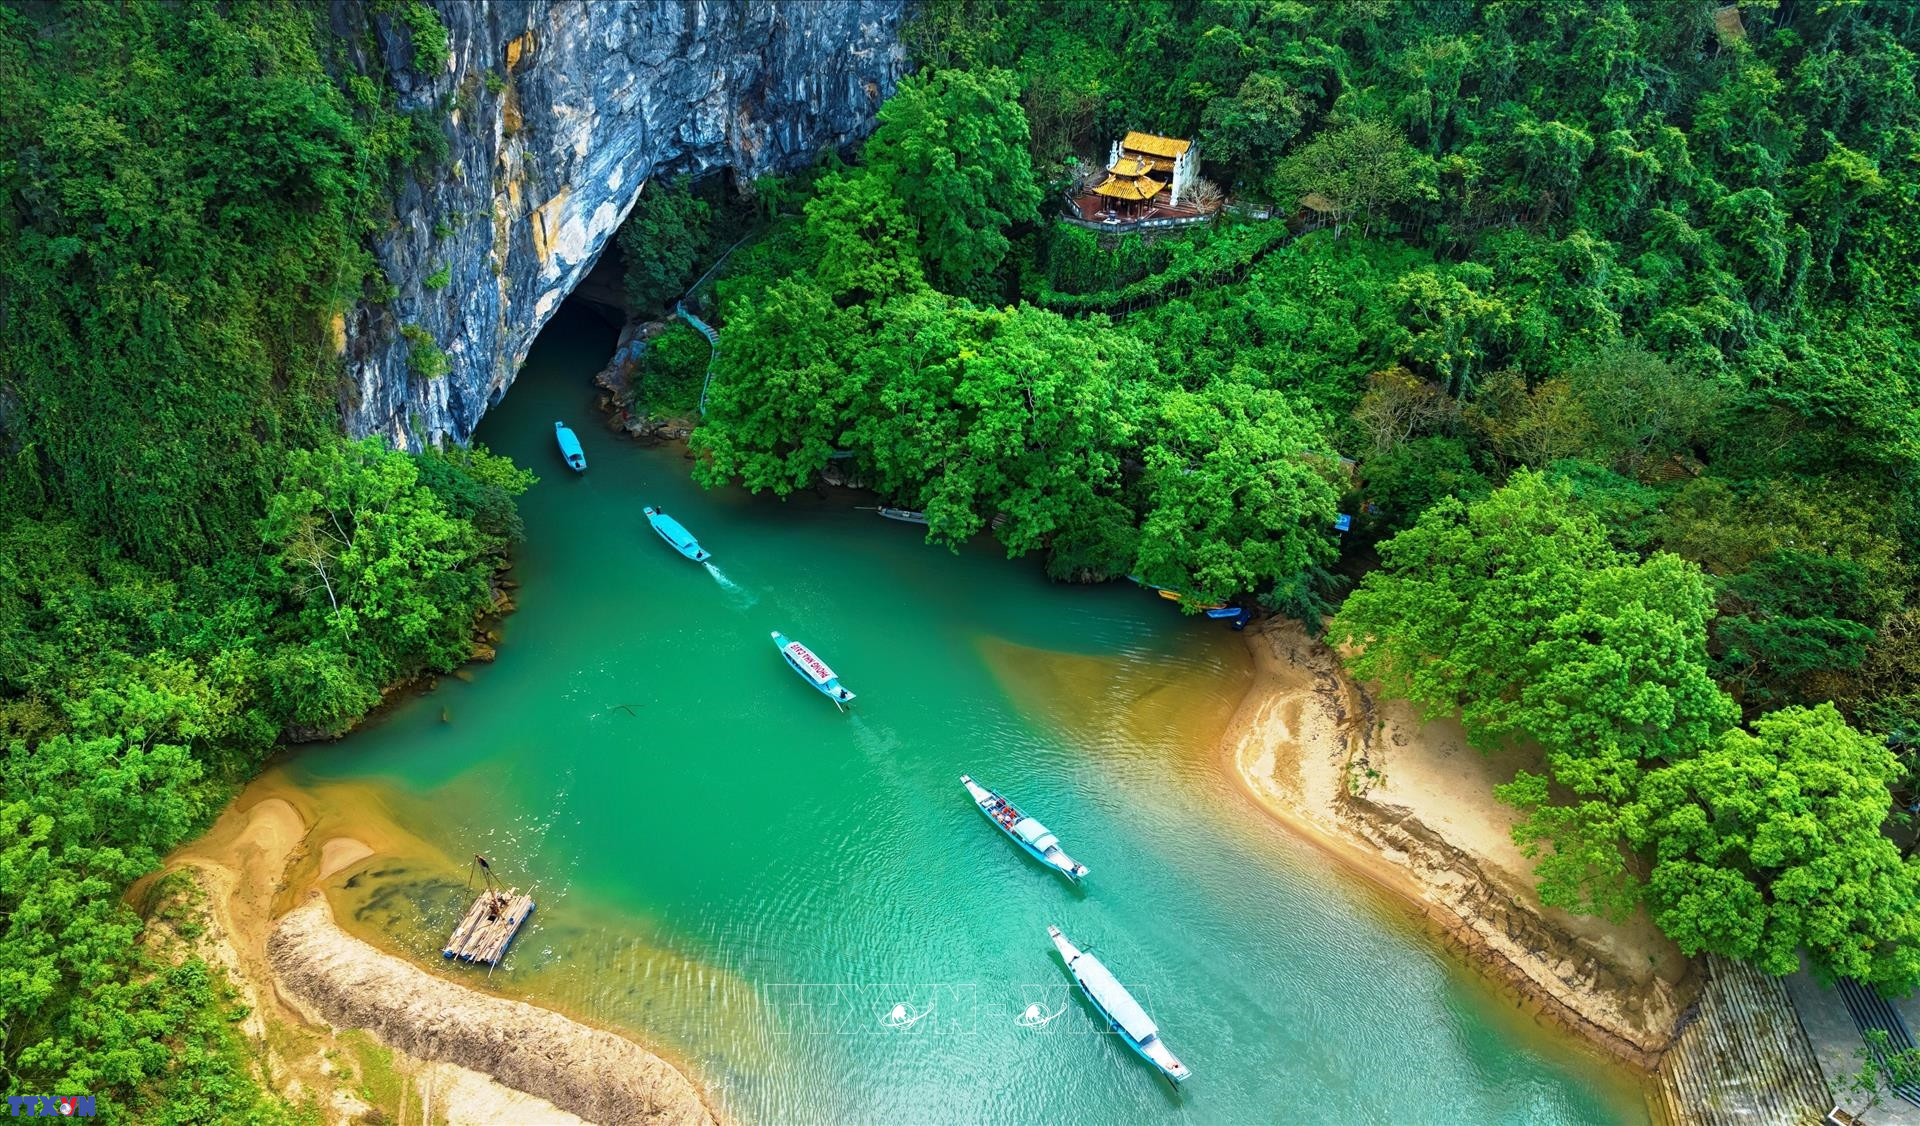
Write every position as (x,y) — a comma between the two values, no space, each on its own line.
(758,884)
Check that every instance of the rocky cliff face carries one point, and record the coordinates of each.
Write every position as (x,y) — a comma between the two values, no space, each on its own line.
(558,114)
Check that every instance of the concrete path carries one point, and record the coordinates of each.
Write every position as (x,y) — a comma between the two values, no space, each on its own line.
(1838,1048)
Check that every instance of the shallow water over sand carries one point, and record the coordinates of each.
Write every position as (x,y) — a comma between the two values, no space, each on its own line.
(803,906)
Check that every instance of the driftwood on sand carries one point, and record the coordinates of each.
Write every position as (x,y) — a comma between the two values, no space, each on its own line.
(597,1075)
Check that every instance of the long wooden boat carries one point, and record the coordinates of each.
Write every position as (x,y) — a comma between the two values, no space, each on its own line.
(570,448)
(1124,1015)
(677,535)
(1024,831)
(904,515)
(812,669)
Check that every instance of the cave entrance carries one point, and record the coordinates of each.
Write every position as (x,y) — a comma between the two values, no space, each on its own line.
(602,291)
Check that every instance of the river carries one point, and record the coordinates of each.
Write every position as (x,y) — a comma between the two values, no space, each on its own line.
(803,907)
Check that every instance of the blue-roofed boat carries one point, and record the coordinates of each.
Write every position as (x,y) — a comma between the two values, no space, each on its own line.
(1029,834)
(676,534)
(570,448)
(1124,1014)
(812,669)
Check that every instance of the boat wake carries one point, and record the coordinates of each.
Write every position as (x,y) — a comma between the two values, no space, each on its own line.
(739,593)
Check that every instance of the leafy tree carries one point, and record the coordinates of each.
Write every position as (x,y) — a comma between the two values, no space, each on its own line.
(378,567)
(661,242)
(1014,413)
(783,391)
(1415,475)
(1883,693)
(1359,169)
(1518,613)
(1399,405)
(1254,125)
(1769,842)
(861,239)
(953,145)
(1792,613)
(1643,410)
(671,370)
(1240,495)
(1532,426)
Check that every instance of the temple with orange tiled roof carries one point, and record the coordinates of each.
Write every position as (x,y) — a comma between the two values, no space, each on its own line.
(1146,176)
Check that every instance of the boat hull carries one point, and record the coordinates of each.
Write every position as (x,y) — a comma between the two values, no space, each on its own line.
(1153,1049)
(677,536)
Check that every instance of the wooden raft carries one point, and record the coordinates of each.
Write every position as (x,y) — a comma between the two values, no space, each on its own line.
(484,935)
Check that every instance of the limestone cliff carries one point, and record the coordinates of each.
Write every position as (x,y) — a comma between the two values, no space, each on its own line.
(558,113)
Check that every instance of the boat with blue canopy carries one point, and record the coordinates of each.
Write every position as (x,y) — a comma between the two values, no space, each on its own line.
(812,669)
(676,534)
(1029,834)
(1124,1014)
(570,448)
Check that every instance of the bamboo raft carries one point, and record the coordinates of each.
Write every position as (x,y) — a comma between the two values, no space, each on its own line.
(488,929)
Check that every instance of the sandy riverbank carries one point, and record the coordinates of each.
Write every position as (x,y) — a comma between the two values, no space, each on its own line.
(1410,805)
(363,1035)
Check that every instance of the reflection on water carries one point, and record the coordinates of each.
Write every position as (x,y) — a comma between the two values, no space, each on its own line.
(805,906)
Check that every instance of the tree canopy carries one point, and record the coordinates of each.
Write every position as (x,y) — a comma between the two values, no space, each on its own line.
(1769,842)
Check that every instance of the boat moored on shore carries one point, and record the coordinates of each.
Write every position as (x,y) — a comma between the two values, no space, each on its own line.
(570,448)
(1123,1013)
(812,669)
(1029,834)
(677,535)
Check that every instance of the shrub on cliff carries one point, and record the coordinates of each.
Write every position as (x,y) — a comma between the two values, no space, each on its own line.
(661,242)
(187,191)
(376,567)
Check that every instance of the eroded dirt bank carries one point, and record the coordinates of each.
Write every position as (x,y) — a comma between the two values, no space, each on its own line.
(359,1035)
(1410,805)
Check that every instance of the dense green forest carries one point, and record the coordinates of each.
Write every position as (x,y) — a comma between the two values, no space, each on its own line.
(1601,325)
(193,563)
(1598,316)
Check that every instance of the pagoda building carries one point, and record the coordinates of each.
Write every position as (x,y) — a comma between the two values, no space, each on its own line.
(1146,176)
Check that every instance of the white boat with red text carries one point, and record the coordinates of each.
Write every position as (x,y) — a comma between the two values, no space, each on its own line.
(1123,1013)
(1025,831)
(812,669)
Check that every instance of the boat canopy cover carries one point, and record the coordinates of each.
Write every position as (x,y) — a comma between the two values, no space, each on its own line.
(676,532)
(813,666)
(1113,997)
(1034,833)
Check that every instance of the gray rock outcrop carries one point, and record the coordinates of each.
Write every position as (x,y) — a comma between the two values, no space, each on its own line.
(558,113)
